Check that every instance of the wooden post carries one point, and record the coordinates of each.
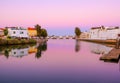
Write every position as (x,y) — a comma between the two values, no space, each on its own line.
(118,42)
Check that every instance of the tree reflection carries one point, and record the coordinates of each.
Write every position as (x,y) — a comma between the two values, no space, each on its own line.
(77,46)
(6,54)
(22,50)
(41,48)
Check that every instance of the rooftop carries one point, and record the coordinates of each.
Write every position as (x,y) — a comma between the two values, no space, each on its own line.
(30,28)
(16,28)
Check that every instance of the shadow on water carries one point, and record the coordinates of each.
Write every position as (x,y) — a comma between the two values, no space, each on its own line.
(77,46)
(19,51)
(112,61)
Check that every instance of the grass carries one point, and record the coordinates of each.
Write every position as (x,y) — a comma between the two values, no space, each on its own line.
(16,41)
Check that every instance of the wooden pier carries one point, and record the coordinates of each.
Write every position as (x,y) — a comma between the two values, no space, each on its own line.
(113,55)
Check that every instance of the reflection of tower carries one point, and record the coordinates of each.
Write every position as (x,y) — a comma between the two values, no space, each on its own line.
(77,46)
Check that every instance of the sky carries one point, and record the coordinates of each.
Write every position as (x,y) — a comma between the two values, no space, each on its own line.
(60,17)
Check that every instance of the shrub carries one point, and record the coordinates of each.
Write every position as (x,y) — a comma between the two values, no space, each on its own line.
(16,41)
(23,41)
(3,41)
(32,41)
(13,41)
(8,37)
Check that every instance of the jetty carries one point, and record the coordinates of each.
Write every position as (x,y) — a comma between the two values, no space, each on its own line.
(112,56)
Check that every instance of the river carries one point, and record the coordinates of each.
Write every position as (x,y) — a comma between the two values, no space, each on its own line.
(57,61)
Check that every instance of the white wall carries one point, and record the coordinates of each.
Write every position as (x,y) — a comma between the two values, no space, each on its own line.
(113,34)
(18,32)
(104,33)
(19,52)
(94,34)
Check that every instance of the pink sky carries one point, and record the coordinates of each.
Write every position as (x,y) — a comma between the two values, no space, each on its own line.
(60,14)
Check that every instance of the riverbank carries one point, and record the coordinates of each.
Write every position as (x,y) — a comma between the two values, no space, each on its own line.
(112,42)
(17,41)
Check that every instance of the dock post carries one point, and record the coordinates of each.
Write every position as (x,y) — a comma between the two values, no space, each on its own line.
(118,42)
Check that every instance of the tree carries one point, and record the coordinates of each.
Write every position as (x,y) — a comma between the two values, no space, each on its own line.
(44,33)
(77,31)
(5,31)
(38,28)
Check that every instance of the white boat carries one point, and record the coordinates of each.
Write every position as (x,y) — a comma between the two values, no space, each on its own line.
(60,37)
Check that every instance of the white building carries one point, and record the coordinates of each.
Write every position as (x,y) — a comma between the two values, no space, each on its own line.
(97,33)
(104,33)
(18,32)
(84,35)
(1,32)
(112,32)
(19,52)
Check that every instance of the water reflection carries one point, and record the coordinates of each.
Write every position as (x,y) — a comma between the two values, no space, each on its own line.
(19,51)
(60,65)
(100,49)
(77,46)
(41,48)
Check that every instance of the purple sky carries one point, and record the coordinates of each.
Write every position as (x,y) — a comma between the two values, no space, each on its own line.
(60,16)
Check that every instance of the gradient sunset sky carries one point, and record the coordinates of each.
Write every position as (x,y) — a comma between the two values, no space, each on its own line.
(60,16)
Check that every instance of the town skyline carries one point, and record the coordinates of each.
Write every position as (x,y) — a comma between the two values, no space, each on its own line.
(60,16)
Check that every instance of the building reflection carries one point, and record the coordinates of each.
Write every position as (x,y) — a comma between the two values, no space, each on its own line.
(77,46)
(100,49)
(21,51)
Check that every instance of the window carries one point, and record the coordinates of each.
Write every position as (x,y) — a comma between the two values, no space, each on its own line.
(14,52)
(21,32)
(13,32)
(22,52)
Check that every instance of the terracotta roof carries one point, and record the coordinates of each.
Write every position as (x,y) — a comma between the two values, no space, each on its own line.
(1,28)
(30,28)
(113,28)
(11,27)
(96,28)
(101,27)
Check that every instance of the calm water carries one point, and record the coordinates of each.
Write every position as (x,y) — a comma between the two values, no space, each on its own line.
(57,61)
